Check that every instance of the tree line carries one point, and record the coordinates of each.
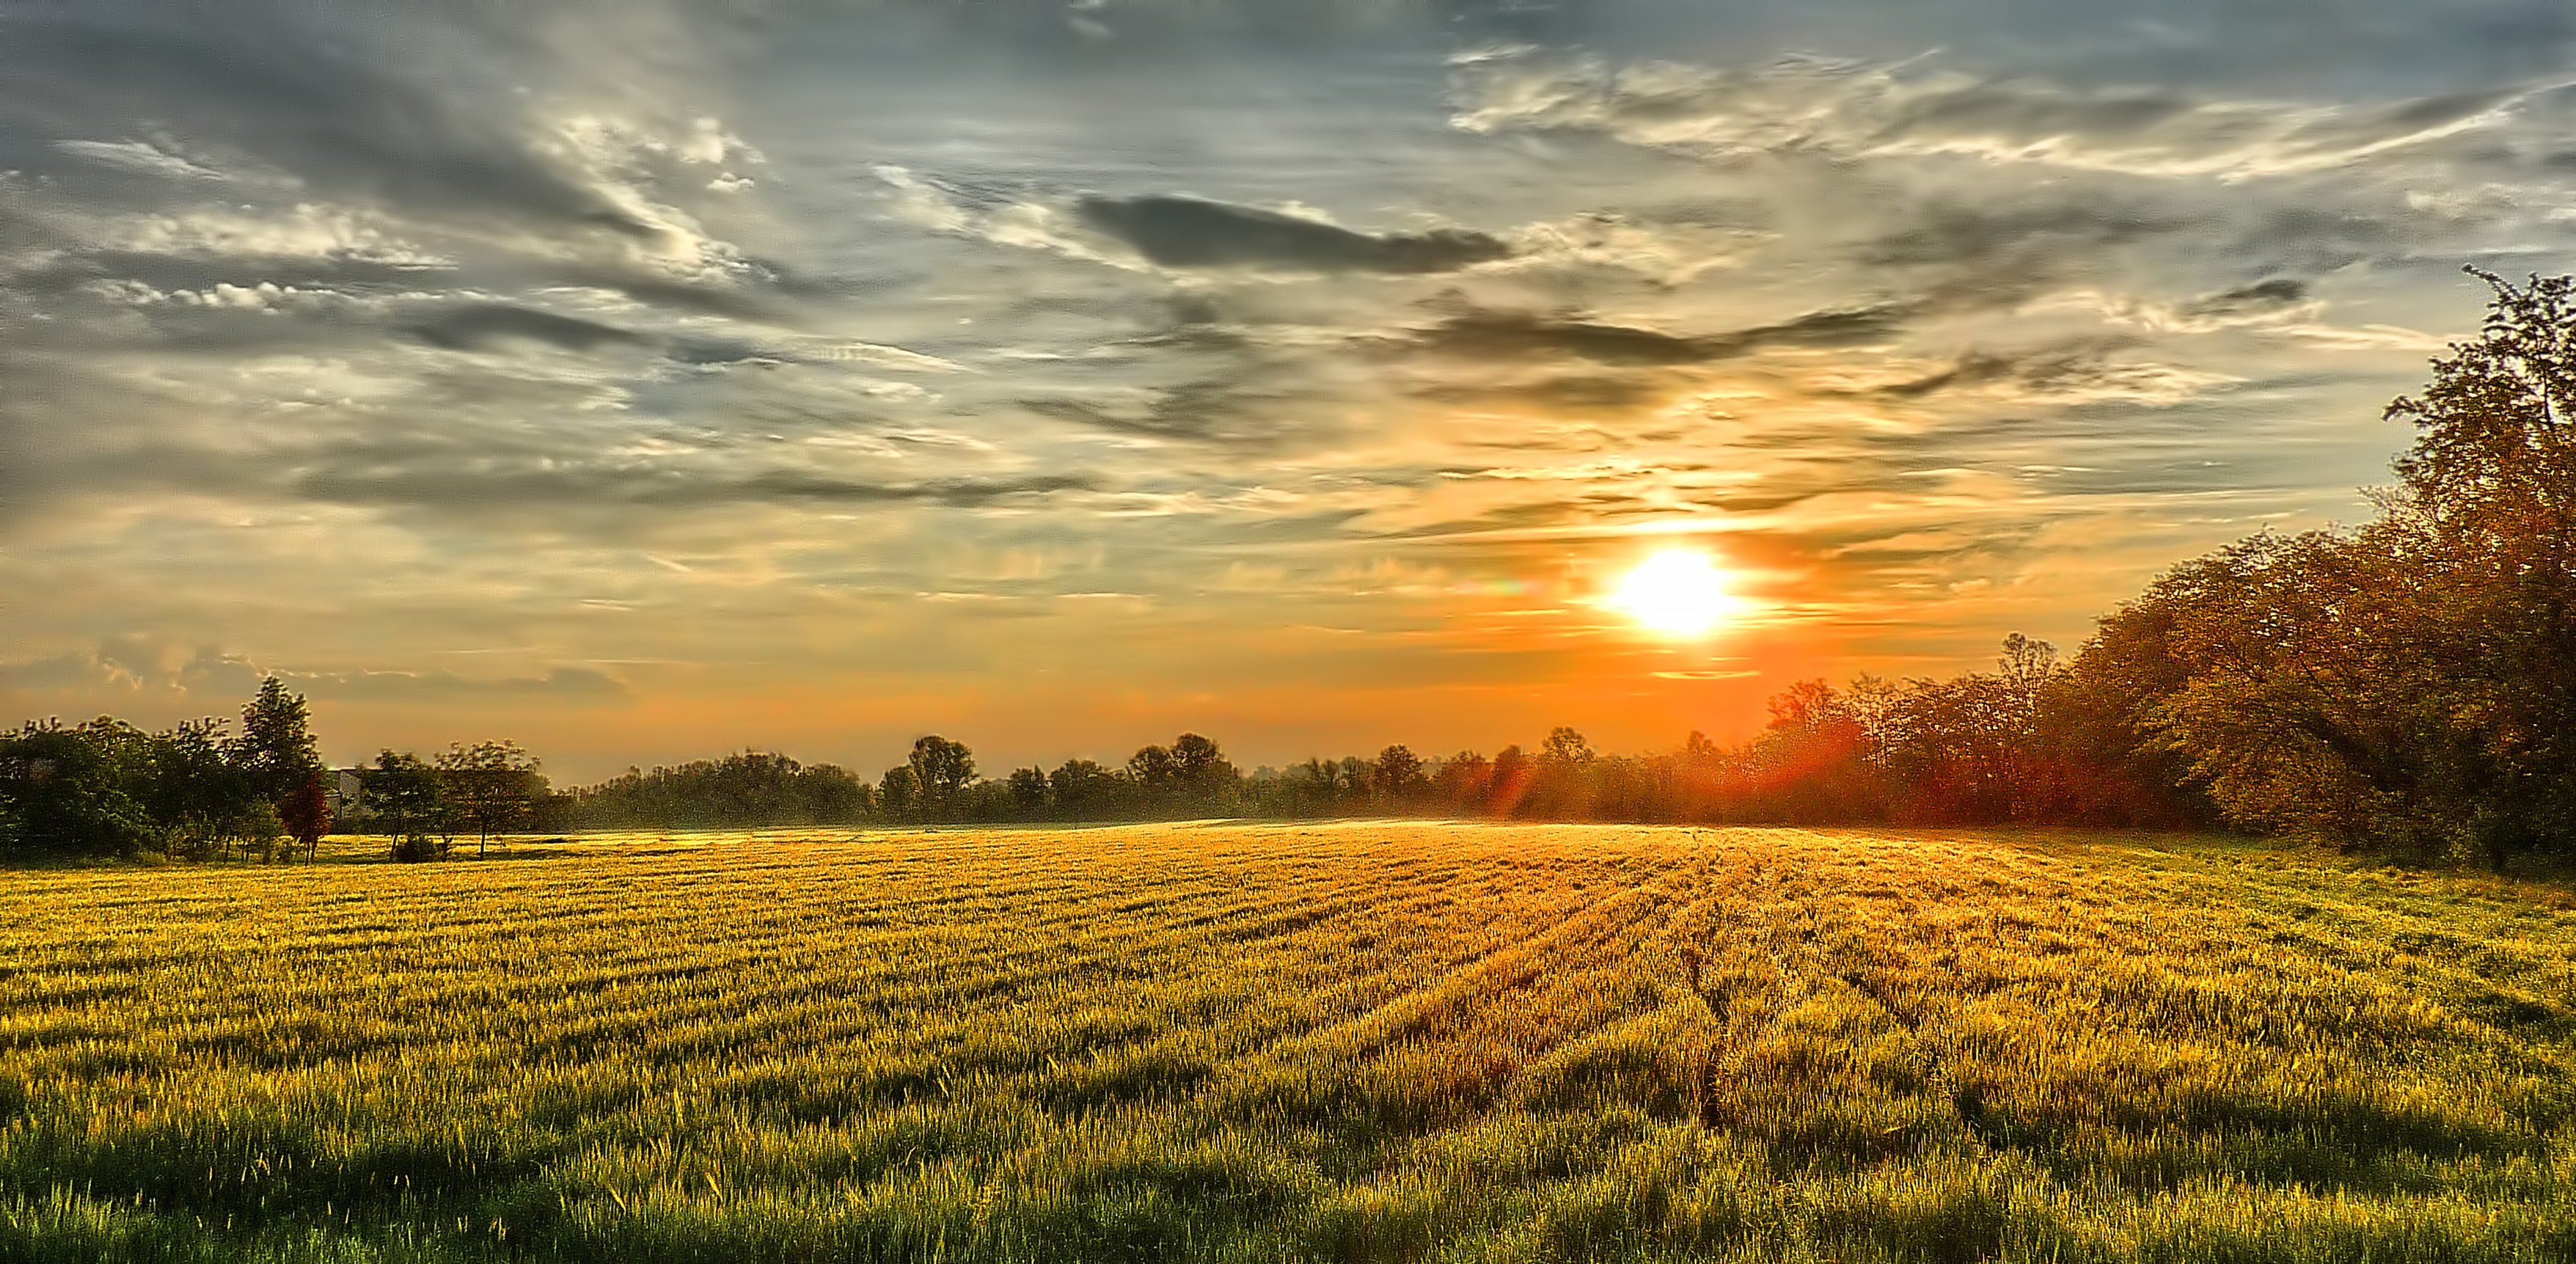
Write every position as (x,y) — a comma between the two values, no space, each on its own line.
(2405,686)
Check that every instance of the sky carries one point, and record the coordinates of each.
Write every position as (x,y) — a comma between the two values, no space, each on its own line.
(644,379)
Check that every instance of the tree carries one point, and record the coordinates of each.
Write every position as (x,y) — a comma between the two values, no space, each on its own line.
(1464,781)
(405,793)
(1154,771)
(1028,787)
(2284,705)
(1812,764)
(203,793)
(899,792)
(2484,530)
(1396,777)
(1561,784)
(1511,781)
(1084,789)
(748,788)
(1202,771)
(276,750)
(306,815)
(1566,747)
(2410,685)
(942,770)
(490,787)
(61,795)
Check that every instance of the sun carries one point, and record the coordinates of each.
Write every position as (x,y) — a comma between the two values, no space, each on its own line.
(1680,593)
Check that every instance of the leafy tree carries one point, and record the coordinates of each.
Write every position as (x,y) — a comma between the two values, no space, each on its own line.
(2410,685)
(2484,533)
(306,815)
(1085,790)
(202,794)
(747,788)
(1513,773)
(1464,781)
(942,770)
(899,792)
(1396,777)
(490,787)
(276,751)
(1028,788)
(1566,747)
(61,796)
(1205,777)
(1154,771)
(406,796)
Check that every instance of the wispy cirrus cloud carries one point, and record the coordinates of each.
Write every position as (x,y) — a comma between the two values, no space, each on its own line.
(1859,110)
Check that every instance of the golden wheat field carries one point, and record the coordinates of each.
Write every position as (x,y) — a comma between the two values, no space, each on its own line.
(1353,1041)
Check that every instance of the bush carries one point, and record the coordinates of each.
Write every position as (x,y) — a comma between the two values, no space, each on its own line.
(415,848)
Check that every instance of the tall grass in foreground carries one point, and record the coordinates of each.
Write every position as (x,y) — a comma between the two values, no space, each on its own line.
(1339,1042)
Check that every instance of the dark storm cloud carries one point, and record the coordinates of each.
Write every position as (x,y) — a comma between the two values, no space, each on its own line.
(1186,232)
(478,325)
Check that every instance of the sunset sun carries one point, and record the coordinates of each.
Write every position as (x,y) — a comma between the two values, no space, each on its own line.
(1681,593)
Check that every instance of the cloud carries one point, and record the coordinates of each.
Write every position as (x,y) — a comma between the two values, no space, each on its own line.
(134,664)
(2279,304)
(138,156)
(479,325)
(1580,391)
(1225,409)
(1907,109)
(297,92)
(1503,334)
(1186,232)
(58,672)
(568,684)
(215,680)
(2247,300)
(1507,334)
(2075,372)
(216,674)
(1953,234)
(539,485)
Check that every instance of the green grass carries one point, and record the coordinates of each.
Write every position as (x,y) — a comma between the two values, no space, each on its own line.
(1331,1042)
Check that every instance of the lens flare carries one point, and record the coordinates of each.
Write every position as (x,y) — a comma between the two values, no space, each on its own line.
(1678,593)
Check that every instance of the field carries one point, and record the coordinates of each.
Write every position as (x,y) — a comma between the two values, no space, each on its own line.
(1328,1042)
